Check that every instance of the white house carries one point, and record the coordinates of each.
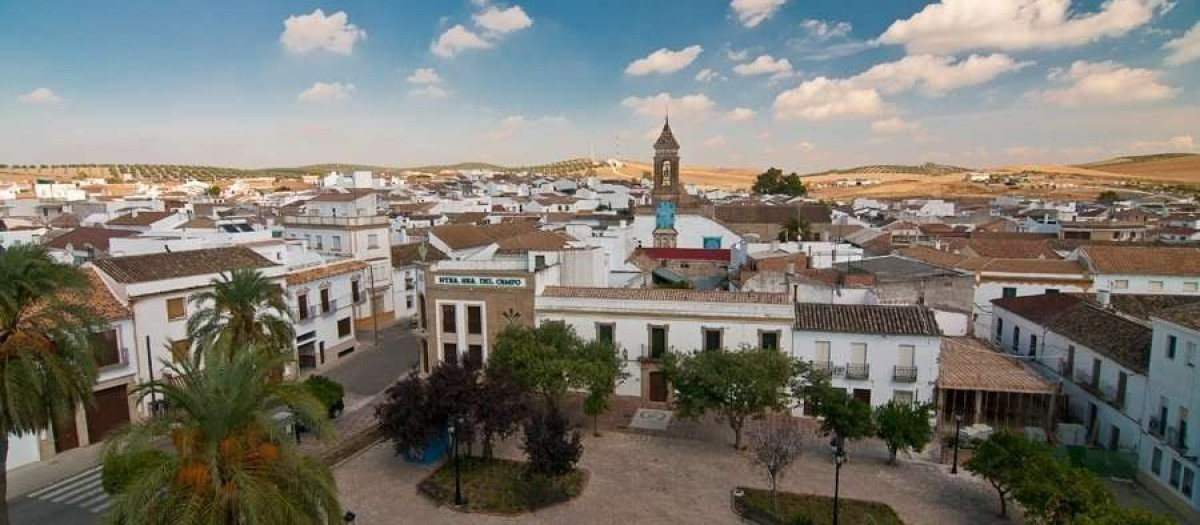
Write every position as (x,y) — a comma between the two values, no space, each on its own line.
(1167,462)
(876,353)
(1143,269)
(323,299)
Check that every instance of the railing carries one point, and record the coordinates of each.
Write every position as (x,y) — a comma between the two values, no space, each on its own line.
(1109,393)
(1156,427)
(331,220)
(904,374)
(1176,438)
(333,307)
(824,368)
(309,315)
(858,371)
(1084,379)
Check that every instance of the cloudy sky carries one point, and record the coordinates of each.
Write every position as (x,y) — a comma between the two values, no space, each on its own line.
(804,84)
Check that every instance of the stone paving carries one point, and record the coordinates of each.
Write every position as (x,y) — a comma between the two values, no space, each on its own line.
(646,477)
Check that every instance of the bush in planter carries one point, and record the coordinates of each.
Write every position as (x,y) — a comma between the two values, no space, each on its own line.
(404,416)
(329,392)
(552,445)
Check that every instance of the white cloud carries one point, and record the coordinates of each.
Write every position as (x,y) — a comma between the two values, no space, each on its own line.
(315,32)
(423,76)
(39,96)
(327,92)
(692,106)
(1104,82)
(1185,48)
(664,61)
(894,125)
(716,141)
(1025,151)
(752,12)
(821,30)
(765,65)
(431,91)
(457,39)
(1176,144)
(935,75)
(514,124)
(805,146)
(740,114)
(737,56)
(708,75)
(952,26)
(823,98)
(502,21)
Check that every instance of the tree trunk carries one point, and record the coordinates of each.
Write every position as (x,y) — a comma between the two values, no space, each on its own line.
(891,455)
(596,425)
(4,477)
(1003,505)
(736,425)
(774,497)
(487,445)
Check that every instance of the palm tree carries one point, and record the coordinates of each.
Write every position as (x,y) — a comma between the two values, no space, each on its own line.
(242,309)
(221,454)
(46,365)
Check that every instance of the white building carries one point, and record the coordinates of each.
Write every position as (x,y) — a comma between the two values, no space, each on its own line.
(1143,269)
(875,353)
(323,299)
(1168,461)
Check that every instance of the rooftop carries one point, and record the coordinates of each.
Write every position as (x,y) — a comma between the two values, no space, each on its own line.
(80,238)
(665,294)
(685,254)
(866,319)
(1121,338)
(895,268)
(965,364)
(1143,260)
(322,272)
(140,218)
(1187,315)
(463,236)
(535,241)
(407,254)
(172,265)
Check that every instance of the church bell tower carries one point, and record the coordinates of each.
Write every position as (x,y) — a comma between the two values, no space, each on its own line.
(666,187)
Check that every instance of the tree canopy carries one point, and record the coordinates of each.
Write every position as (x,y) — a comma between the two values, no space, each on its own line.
(902,426)
(774,182)
(551,359)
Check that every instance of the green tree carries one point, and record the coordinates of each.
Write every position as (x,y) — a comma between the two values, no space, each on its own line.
(774,182)
(1055,493)
(242,309)
(737,385)
(902,426)
(600,370)
(46,364)
(544,359)
(229,457)
(1001,460)
(213,191)
(841,414)
(796,229)
(1113,514)
(1108,197)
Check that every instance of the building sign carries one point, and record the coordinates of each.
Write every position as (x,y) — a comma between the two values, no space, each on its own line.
(467,280)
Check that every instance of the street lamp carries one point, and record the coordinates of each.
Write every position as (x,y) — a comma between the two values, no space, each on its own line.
(458,499)
(957,433)
(839,457)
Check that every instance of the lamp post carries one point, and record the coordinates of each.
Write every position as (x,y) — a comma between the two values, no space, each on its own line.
(957,433)
(839,457)
(458,499)
(349,518)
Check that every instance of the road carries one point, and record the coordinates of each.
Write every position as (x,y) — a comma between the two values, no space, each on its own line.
(79,500)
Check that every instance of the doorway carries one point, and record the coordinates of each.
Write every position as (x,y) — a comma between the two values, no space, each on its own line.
(658,387)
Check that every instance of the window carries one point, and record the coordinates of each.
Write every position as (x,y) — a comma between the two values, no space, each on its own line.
(1156,461)
(1016,340)
(999,330)
(1189,353)
(1120,284)
(1114,437)
(475,355)
(372,240)
(180,350)
(605,333)
(335,243)
(658,341)
(344,327)
(176,308)
(474,319)
(1175,472)
(449,353)
(105,348)
(822,351)
(354,294)
(1009,291)
(858,353)
(712,338)
(1189,476)
(903,396)
(1156,286)
(1172,342)
(539,261)
(449,321)
(1032,345)
(302,305)
(325,305)
(1191,286)
(712,243)
(1051,290)
(1070,371)
(408,302)
(908,356)
(768,340)
(1122,387)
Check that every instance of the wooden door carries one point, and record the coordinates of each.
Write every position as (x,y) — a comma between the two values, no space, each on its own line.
(66,436)
(658,387)
(110,411)
(863,394)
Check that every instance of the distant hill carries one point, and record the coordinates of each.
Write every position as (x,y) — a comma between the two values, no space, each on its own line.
(1137,159)
(928,168)
(1166,168)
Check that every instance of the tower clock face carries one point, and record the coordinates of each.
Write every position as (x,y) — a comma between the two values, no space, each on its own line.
(665,215)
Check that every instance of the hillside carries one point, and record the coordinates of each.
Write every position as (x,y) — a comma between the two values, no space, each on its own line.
(928,168)
(1165,168)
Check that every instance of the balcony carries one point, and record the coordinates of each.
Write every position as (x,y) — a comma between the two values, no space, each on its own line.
(333,308)
(904,374)
(858,371)
(1177,439)
(1156,428)
(347,221)
(824,368)
(305,316)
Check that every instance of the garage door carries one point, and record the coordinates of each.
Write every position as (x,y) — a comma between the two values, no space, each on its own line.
(110,411)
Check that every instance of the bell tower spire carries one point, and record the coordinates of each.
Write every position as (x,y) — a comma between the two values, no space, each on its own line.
(667,191)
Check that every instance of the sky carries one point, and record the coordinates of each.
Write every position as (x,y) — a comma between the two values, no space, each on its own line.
(805,85)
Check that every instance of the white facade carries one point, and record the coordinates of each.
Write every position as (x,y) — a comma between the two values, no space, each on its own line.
(878,367)
(324,311)
(1171,433)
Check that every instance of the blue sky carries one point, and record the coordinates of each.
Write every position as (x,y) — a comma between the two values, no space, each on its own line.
(273,83)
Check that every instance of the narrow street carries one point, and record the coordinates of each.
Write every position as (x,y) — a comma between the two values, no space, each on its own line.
(77,498)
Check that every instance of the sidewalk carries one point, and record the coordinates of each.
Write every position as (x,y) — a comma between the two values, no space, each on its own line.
(29,478)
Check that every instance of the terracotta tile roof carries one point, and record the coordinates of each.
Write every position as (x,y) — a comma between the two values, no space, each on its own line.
(407,254)
(1143,260)
(321,272)
(684,254)
(1117,336)
(965,364)
(940,258)
(1012,248)
(1186,315)
(462,236)
(171,265)
(1143,306)
(1042,309)
(946,259)
(80,238)
(101,298)
(143,218)
(771,214)
(337,196)
(199,222)
(665,294)
(866,319)
(535,241)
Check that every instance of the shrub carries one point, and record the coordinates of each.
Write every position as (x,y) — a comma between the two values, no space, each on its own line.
(120,469)
(538,490)
(329,392)
(404,416)
(550,444)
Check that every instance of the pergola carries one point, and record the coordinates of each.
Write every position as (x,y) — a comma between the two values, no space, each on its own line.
(986,386)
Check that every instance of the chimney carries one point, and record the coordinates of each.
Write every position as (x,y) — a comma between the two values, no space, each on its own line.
(1104,297)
